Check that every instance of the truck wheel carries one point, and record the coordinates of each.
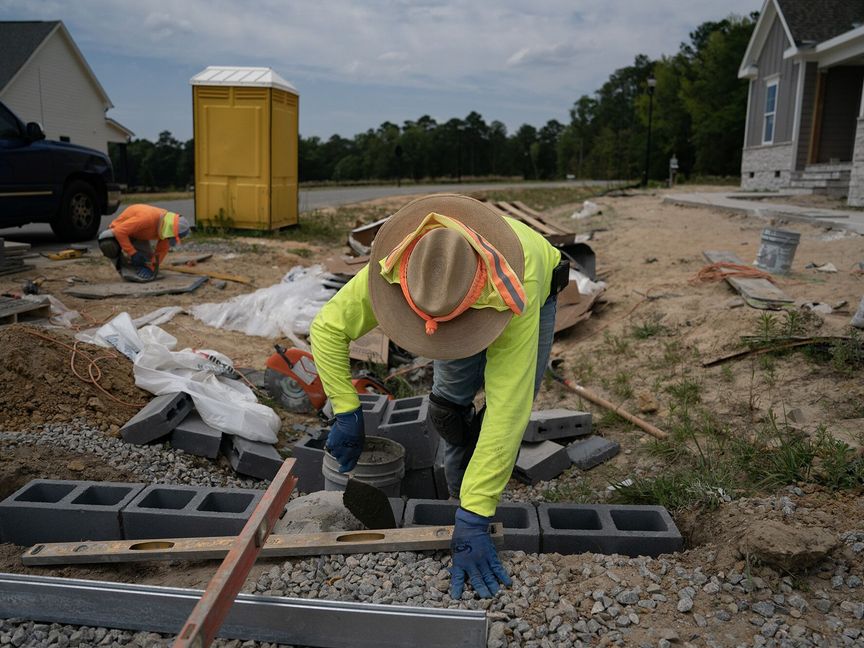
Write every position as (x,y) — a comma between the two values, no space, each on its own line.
(79,217)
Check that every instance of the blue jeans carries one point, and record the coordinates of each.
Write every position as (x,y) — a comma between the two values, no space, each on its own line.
(459,381)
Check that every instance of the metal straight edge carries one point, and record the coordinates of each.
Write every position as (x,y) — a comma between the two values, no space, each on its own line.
(305,622)
(205,620)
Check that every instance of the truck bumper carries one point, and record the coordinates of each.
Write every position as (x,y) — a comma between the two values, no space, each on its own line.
(113,201)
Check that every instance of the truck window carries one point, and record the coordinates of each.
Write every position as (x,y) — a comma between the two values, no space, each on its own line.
(8,125)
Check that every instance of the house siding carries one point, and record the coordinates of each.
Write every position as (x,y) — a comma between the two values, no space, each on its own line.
(808,103)
(840,112)
(772,64)
(856,180)
(69,104)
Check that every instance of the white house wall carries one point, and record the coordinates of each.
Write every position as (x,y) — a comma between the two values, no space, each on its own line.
(856,180)
(69,104)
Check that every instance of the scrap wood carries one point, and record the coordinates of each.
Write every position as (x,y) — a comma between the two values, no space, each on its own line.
(786,343)
(720,270)
(276,546)
(758,292)
(213,275)
(189,259)
(591,397)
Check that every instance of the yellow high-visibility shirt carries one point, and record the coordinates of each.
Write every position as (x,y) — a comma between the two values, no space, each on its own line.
(511,364)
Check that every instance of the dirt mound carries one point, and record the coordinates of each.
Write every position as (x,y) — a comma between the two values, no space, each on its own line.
(40,386)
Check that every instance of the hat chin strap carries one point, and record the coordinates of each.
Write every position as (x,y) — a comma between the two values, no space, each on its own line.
(468,300)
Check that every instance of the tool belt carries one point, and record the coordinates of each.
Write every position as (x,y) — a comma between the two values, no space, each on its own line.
(560,277)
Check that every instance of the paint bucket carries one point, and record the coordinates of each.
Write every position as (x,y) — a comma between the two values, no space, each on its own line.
(777,250)
(381,464)
(858,317)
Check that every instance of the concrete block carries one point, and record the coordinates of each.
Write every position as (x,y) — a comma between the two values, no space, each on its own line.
(441,490)
(547,425)
(374,407)
(540,462)
(194,436)
(419,484)
(608,529)
(590,452)
(521,526)
(165,511)
(251,458)
(398,506)
(405,422)
(157,418)
(309,452)
(53,510)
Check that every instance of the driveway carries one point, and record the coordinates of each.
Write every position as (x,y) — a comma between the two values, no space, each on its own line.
(41,237)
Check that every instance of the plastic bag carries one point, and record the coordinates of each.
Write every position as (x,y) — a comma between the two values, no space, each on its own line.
(61,315)
(284,309)
(120,333)
(588,209)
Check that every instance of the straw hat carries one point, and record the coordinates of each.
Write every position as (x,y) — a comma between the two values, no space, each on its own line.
(440,273)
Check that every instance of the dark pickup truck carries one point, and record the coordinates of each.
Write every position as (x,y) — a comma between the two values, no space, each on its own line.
(42,181)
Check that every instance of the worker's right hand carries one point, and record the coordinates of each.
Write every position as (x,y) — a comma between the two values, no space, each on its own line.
(346,439)
(139,260)
(474,557)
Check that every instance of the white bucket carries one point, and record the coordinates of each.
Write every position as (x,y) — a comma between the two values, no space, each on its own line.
(777,250)
(381,464)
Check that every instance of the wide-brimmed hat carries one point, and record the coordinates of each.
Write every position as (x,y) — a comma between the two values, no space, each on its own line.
(443,252)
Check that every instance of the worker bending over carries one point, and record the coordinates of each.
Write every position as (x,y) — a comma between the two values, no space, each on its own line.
(127,241)
(451,279)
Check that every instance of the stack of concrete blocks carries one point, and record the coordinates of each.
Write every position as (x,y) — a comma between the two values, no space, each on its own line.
(542,458)
(251,458)
(521,526)
(157,419)
(607,529)
(405,420)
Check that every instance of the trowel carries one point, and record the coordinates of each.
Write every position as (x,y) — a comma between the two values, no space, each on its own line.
(368,504)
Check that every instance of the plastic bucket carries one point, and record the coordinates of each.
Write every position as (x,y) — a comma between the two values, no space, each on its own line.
(381,464)
(777,250)
(858,317)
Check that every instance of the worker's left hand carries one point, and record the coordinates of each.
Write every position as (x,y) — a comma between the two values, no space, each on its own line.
(346,438)
(474,557)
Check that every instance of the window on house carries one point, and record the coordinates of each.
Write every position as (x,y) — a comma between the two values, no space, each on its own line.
(65,138)
(770,112)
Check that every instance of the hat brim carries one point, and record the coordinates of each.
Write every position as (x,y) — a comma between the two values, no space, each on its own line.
(473,330)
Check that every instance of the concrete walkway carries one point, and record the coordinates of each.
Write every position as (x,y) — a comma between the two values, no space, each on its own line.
(752,204)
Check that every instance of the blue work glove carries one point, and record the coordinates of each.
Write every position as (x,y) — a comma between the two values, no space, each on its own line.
(139,260)
(474,556)
(145,274)
(346,438)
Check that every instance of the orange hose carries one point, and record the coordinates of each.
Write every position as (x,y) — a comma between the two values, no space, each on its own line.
(721,270)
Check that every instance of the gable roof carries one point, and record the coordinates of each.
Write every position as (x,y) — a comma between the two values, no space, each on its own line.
(18,42)
(812,23)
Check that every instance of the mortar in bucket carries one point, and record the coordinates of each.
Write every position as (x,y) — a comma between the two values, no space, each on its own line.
(381,464)
(777,250)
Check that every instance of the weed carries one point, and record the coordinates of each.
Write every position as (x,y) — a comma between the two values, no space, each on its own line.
(579,492)
(647,329)
(794,324)
(838,466)
(767,327)
(677,488)
(769,367)
(673,354)
(621,385)
(687,391)
(617,345)
(301,252)
(847,355)
(726,374)
(609,418)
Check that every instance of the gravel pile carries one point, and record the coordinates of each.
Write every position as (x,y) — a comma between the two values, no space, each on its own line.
(150,463)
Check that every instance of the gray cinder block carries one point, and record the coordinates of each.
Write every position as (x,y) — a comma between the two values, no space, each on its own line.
(309,452)
(374,407)
(521,526)
(251,458)
(608,529)
(590,452)
(419,484)
(398,506)
(546,425)
(194,436)
(157,418)
(165,511)
(53,510)
(540,461)
(405,422)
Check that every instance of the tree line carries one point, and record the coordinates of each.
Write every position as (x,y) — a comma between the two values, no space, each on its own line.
(698,112)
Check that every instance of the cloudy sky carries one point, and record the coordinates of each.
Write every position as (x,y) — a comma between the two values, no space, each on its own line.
(358,64)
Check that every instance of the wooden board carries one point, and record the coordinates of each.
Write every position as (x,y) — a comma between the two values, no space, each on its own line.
(372,347)
(5,270)
(312,544)
(758,293)
(201,272)
(167,284)
(13,311)
(183,259)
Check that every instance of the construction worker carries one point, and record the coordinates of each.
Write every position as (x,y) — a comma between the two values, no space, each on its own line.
(451,279)
(132,232)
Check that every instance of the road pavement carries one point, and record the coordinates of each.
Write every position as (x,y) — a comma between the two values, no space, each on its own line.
(40,235)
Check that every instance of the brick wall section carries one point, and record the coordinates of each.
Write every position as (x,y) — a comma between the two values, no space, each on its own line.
(856,181)
(764,162)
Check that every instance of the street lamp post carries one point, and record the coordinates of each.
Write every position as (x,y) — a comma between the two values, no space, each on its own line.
(652,83)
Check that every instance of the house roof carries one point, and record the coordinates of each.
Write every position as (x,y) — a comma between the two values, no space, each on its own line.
(18,42)
(812,23)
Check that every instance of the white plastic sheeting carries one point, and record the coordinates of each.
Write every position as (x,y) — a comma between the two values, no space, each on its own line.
(225,404)
(284,309)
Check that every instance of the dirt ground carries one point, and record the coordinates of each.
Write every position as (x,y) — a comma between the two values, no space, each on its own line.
(647,252)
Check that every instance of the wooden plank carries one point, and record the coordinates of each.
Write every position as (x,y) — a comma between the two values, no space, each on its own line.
(276,546)
(167,284)
(13,311)
(183,259)
(212,274)
(758,293)
(552,233)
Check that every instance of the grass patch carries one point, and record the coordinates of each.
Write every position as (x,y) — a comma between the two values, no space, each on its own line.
(578,492)
(621,385)
(134,198)
(687,391)
(540,198)
(616,344)
(647,329)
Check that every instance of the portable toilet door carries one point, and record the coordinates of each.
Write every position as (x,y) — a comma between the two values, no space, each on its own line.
(246,147)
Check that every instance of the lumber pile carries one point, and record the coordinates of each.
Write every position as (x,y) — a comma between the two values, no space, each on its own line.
(12,257)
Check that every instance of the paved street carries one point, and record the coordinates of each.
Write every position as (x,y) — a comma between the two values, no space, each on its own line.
(40,236)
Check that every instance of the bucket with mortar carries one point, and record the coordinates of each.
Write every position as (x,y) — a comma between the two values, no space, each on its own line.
(777,250)
(381,464)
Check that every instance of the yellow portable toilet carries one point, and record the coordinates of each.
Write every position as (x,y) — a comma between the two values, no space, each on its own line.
(246,147)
